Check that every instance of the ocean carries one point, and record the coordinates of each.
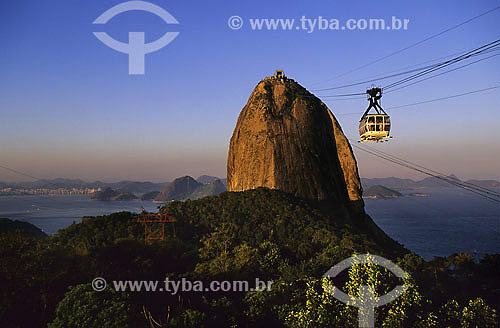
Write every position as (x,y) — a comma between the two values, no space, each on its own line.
(446,222)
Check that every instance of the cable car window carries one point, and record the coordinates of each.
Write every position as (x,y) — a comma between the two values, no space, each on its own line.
(371,119)
(387,127)
(380,119)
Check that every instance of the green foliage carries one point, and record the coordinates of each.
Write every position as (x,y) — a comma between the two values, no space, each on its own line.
(265,234)
(33,276)
(82,307)
(29,229)
(478,314)
(321,309)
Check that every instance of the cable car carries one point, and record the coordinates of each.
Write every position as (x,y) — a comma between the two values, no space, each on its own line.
(374,127)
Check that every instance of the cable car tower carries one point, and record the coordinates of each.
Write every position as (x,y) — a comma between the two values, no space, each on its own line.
(374,127)
(154,224)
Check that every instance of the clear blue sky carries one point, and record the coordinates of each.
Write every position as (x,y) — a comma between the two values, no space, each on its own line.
(68,107)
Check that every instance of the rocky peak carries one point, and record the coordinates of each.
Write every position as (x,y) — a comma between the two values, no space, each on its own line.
(287,139)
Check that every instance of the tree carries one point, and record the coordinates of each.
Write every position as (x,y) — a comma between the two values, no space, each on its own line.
(82,307)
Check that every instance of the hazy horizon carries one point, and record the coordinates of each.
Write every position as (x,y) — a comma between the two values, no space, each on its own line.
(196,176)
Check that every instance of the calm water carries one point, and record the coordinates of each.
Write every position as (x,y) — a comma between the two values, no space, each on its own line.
(51,213)
(447,222)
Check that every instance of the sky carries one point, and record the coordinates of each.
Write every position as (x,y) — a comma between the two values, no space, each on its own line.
(69,108)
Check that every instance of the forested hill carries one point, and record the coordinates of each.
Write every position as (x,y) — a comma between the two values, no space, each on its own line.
(250,217)
(262,233)
(7,225)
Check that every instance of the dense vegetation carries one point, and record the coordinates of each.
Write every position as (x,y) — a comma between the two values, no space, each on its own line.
(7,225)
(261,234)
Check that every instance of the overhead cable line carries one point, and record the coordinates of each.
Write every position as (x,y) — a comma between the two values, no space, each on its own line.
(28,175)
(471,185)
(442,73)
(450,181)
(443,98)
(413,45)
(378,76)
(487,47)
(18,172)
(384,77)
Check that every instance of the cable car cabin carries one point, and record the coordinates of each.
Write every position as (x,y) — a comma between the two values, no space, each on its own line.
(375,128)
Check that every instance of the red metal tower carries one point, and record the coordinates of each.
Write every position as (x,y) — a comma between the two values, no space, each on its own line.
(157,220)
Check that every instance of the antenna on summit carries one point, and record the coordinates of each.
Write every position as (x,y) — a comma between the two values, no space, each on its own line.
(279,75)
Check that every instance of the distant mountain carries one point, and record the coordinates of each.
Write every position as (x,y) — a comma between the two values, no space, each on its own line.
(392,182)
(206,179)
(379,191)
(125,196)
(54,183)
(124,186)
(485,183)
(179,189)
(427,183)
(106,194)
(7,225)
(137,187)
(149,195)
(188,188)
(432,182)
(213,188)
(110,194)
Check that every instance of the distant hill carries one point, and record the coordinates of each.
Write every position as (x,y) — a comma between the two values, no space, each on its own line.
(210,189)
(137,187)
(188,188)
(379,191)
(125,196)
(427,183)
(124,186)
(432,182)
(110,194)
(179,189)
(7,225)
(485,183)
(149,195)
(206,179)
(391,182)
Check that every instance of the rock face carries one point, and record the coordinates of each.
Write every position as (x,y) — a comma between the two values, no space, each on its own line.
(287,139)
